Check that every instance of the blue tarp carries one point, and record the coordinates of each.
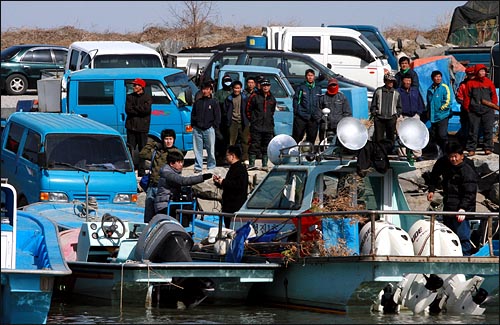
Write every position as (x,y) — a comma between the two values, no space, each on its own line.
(342,228)
(453,74)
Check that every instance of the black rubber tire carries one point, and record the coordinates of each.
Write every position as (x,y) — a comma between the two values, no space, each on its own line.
(16,84)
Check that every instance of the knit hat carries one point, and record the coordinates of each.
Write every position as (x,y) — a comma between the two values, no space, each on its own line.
(469,70)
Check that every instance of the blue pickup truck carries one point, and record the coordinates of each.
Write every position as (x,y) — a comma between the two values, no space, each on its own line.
(100,94)
(66,157)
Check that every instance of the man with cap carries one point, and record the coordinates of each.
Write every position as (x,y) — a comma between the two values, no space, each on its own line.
(138,110)
(339,107)
(306,111)
(480,89)
(260,111)
(385,109)
(222,134)
(463,133)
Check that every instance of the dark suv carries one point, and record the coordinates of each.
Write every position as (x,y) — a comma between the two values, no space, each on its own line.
(293,65)
(22,65)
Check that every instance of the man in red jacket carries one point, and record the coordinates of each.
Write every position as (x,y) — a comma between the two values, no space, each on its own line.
(478,89)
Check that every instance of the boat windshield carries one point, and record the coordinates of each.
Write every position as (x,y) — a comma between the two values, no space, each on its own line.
(281,190)
(96,152)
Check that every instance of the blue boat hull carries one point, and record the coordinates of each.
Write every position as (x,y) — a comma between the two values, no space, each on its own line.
(344,283)
(31,260)
(26,298)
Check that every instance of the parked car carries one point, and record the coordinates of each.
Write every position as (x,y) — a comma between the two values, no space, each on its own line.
(22,65)
(293,65)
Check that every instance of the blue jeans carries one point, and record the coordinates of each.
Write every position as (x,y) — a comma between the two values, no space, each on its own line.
(203,139)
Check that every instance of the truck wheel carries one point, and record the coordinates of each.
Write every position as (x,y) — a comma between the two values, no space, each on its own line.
(16,84)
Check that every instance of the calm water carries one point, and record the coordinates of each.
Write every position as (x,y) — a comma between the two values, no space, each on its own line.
(80,313)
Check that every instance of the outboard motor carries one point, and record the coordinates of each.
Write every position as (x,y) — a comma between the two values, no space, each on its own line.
(164,240)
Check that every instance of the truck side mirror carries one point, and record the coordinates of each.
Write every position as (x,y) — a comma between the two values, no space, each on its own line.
(42,160)
(189,96)
(185,98)
(329,66)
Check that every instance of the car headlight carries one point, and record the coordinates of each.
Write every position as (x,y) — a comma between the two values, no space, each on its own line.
(53,197)
(125,198)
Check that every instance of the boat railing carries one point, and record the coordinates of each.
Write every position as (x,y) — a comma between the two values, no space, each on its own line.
(373,215)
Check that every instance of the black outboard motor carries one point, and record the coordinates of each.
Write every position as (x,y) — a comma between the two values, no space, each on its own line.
(164,240)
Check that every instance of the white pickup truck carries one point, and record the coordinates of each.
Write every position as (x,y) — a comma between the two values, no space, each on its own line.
(345,51)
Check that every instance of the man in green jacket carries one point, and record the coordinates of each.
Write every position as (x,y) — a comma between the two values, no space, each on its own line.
(161,151)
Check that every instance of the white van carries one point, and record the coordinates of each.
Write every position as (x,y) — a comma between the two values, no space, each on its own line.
(111,54)
(343,50)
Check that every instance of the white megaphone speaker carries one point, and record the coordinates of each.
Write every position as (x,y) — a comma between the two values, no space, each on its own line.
(413,134)
(280,147)
(352,133)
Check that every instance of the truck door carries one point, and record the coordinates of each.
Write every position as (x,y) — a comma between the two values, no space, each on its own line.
(19,162)
(352,60)
(101,100)
(309,44)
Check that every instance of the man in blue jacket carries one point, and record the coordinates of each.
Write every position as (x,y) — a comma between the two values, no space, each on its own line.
(412,106)
(306,111)
(439,110)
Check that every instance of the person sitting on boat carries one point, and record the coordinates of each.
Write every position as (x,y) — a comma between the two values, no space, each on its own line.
(158,160)
(171,183)
(459,182)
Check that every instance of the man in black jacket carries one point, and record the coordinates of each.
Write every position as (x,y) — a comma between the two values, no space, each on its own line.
(234,185)
(138,109)
(459,181)
(260,111)
(205,119)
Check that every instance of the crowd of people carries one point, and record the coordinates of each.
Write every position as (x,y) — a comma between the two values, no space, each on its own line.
(235,125)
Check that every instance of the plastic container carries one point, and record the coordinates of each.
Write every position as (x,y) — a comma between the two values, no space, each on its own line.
(256,42)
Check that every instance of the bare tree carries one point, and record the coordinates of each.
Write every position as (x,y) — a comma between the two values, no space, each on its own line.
(192,18)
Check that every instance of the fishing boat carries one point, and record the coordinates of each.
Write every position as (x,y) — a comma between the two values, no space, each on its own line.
(118,259)
(347,239)
(31,260)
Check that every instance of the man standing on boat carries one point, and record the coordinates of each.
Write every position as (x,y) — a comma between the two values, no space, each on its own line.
(235,185)
(459,182)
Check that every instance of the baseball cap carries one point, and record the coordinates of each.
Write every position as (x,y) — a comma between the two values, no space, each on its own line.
(265,82)
(333,81)
(140,82)
(389,76)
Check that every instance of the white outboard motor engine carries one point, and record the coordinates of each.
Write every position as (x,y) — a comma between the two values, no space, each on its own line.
(446,242)
(461,296)
(389,240)
(417,291)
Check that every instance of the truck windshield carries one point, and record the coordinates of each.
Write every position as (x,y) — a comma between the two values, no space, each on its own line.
(179,83)
(97,152)
(127,61)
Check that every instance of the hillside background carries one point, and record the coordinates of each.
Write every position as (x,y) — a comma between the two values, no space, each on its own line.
(210,35)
